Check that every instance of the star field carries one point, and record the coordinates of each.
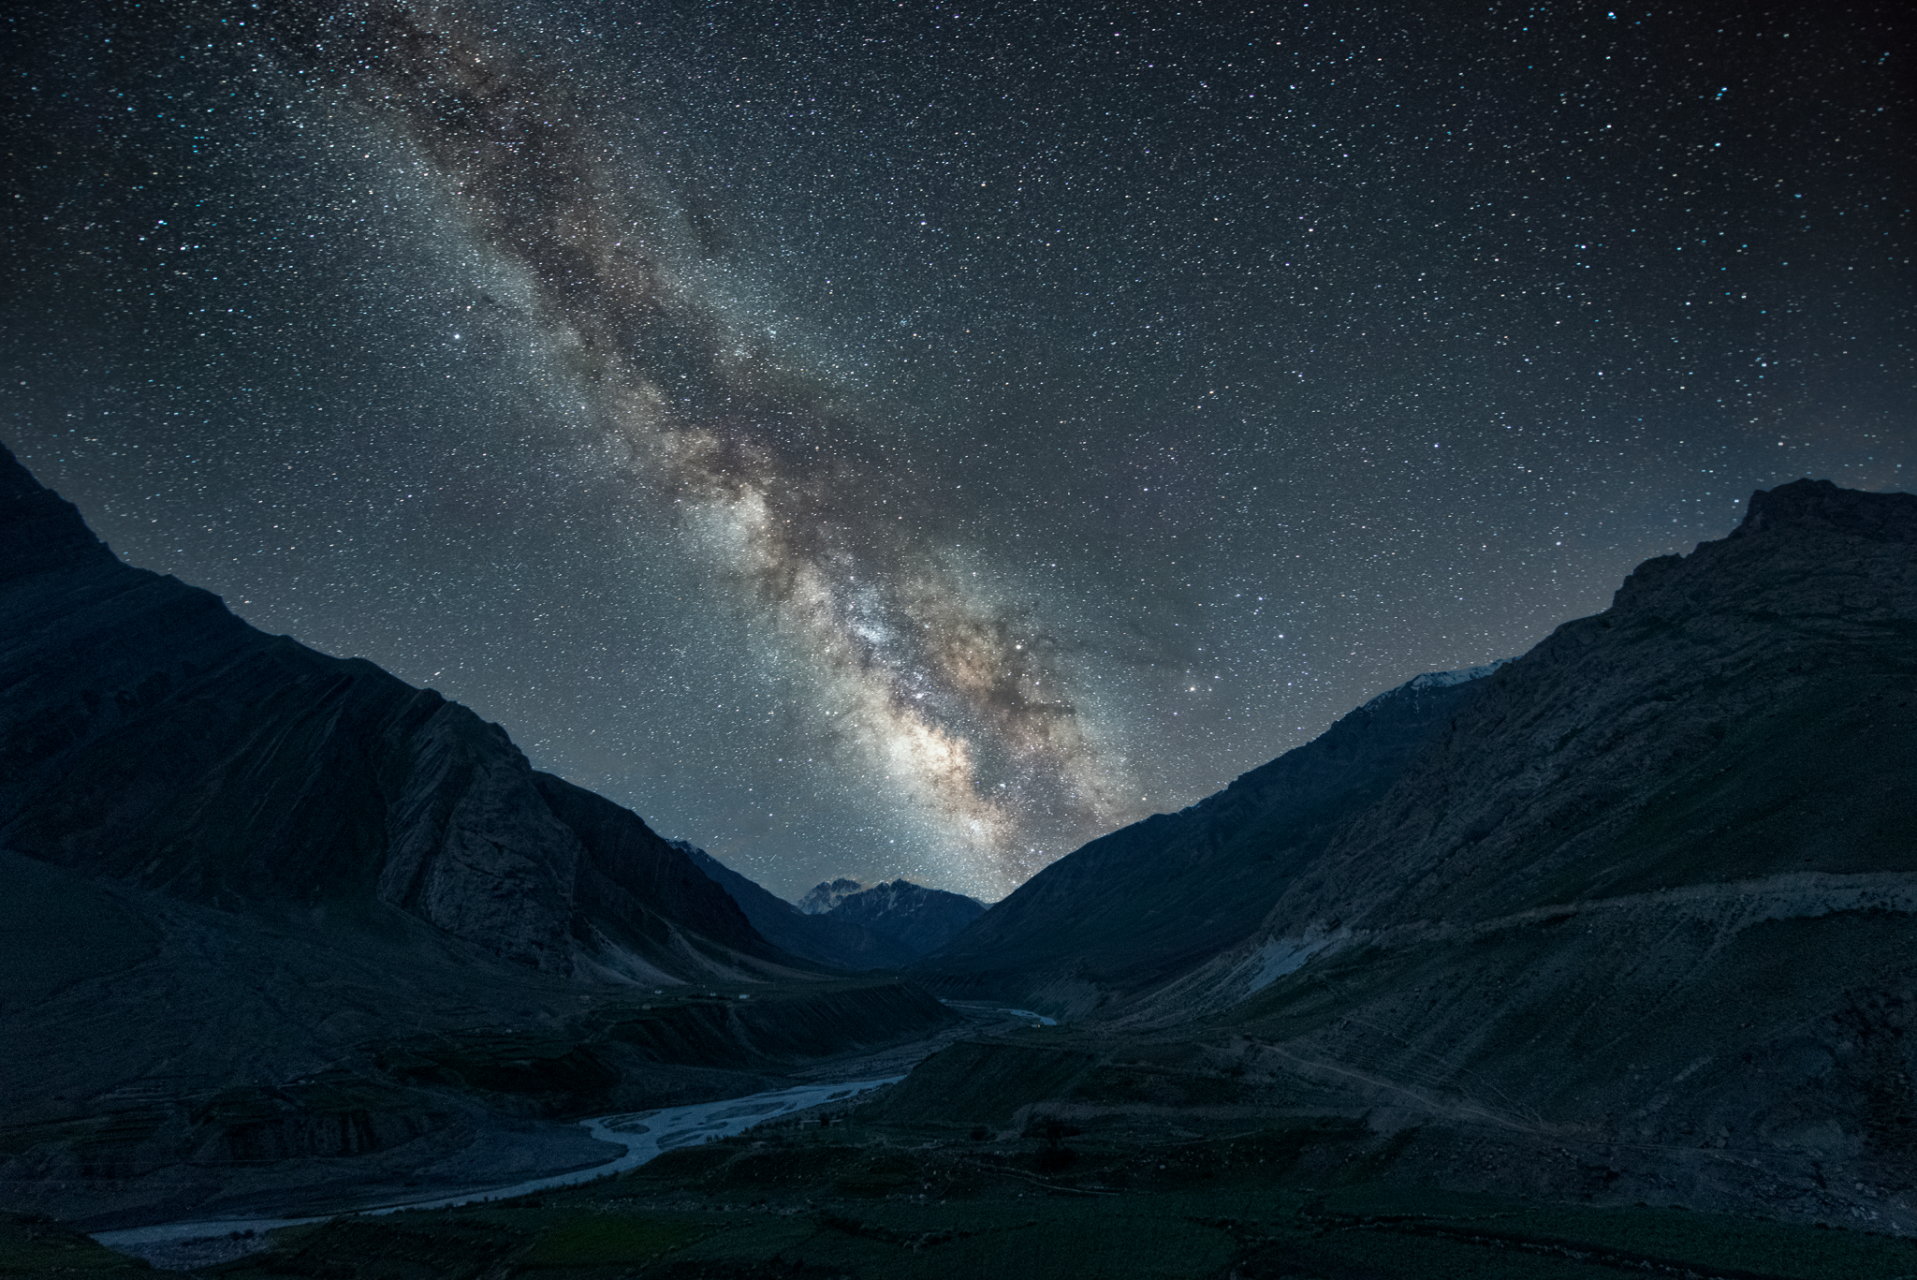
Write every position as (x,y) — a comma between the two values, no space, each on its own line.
(910,440)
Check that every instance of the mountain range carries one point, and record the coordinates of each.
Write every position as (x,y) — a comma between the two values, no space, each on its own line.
(1626,919)
(920,919)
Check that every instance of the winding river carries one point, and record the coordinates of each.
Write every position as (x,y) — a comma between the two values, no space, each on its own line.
(643,1134)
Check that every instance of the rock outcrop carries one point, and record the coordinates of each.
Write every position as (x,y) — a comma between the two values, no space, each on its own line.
(822,897)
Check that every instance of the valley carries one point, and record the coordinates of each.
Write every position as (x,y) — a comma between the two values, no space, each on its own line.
(1593,960)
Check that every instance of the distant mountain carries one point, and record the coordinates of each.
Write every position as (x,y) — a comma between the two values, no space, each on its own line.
(918,918)
(821,898)
(822,938)
(845,924)
(1152,900)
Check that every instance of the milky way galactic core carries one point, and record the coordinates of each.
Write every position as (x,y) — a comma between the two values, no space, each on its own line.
(903,440)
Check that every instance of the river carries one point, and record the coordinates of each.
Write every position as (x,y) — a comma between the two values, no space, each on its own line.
(643,1134)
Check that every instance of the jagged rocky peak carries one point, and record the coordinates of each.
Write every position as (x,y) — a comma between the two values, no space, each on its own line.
(843,922)
(823,939)
(1812,546)
(828,895)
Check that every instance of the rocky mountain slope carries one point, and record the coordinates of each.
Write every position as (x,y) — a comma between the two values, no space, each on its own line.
(1150,901)
(1636,921)
(150,737)
(1741,716)
(248,889)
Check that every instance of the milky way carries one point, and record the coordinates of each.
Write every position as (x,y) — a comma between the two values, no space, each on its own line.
(953,697)
(910,441)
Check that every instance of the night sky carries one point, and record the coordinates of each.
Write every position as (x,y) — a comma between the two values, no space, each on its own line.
(911,440)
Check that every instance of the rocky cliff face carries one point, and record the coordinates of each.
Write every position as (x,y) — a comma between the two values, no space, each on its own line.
(150,737)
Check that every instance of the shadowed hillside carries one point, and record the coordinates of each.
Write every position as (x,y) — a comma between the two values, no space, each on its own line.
(150,737)
(247,889)
(1635,918)
(1150,901)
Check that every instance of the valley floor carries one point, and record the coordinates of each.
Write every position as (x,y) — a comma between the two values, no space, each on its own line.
(642,1136)
(857,1200)
(843,1192)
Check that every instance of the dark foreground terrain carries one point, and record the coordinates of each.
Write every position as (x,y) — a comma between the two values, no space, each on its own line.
(941,1181)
